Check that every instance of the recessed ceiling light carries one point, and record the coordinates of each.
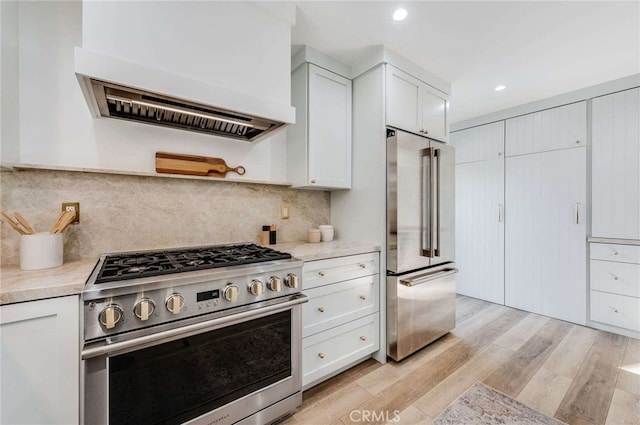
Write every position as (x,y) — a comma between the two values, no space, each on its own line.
(399,14)
(500,88)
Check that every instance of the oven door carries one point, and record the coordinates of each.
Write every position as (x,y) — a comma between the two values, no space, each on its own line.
(219,371)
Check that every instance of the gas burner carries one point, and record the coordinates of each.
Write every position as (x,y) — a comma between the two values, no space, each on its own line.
(132,265)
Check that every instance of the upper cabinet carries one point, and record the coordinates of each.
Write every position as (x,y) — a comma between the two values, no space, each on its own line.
(319,144)
(481,143)
(415,106)
(615,179)
(563,127)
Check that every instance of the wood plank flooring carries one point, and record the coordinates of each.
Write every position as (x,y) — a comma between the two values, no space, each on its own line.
(576,374)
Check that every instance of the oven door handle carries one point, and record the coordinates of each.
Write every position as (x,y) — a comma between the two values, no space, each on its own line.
(188,330)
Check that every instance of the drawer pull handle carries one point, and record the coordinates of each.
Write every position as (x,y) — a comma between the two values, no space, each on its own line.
(321,355)
(364,338)
(362,265)
(321,273)
(321,309)
(362,297)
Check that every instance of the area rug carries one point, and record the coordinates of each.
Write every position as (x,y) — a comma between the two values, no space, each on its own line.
(483,405)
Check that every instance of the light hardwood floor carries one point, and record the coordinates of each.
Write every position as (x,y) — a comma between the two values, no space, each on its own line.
(576,374)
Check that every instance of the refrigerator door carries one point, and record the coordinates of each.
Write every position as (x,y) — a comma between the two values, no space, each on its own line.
(408,217)
(420,202)
(420,309)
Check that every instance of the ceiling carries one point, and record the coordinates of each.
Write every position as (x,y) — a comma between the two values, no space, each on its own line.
(537,49)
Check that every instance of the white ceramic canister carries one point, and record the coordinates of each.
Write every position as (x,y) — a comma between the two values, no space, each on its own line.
(41,251)
(313,236)
(326,232)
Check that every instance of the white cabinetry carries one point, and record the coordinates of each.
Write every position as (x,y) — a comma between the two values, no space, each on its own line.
(341,320)
(319,144)
(563,127)
(480,211)
(616,165)
(415,106)
(615,285)
(40,362)
(545,262)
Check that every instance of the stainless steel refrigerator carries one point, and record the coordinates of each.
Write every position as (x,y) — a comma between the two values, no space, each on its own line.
(420,242)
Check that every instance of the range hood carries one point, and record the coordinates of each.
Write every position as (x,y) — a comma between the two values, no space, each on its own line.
(114,88)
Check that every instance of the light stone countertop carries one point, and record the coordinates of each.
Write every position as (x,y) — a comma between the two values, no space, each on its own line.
(19,285)
(323,250)
(69,279)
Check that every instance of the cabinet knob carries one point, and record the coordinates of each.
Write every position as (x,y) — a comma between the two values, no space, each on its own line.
(362,297)
(321,273)
(615,310)
(577,142)
(313,181)
(499,153)
(615,277)
(615,252)
(426,132)
(321,355)
(362,265)
(321,309)
(363,338)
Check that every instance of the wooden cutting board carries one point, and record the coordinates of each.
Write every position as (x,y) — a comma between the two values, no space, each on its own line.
(194,165)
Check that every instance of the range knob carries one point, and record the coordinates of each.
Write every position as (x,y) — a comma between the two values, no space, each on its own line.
(175,303)
(292,281)
(110,316)
(274,284)
(144,308)
(255,288)
(230,293)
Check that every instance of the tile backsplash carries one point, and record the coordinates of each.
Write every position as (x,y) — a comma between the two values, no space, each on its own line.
(125,213)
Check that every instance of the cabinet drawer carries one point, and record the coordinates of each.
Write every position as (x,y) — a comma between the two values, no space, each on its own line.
(618,253)
(616,310)
(333,305)
(332,270)
(616,278)
(331,350)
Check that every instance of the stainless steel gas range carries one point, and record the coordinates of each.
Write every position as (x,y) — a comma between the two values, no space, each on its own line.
(207,335)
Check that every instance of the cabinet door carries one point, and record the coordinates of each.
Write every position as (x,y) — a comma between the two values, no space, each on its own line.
(480,143)
(329,129)
(552,129)
(545,261)
(40,362)
(403,100)
(480,230)
(434,114)
(616,165)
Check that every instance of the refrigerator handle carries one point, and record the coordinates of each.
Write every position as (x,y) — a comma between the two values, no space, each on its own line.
(427,277)
(426,225)
(436,204)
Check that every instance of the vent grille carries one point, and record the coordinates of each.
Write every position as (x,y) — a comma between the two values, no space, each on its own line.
(135,105)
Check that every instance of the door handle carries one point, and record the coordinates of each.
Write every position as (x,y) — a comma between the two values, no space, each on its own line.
(500,214)
(426,226)
(436,203)
(577,212)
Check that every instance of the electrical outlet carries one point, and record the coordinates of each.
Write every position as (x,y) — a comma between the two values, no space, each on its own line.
(284,211)
(72,206)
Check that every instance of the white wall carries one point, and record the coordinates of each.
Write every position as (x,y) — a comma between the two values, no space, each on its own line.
(9,150)
(55,125)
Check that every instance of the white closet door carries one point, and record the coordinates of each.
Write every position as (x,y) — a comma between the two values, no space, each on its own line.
(545,261)
(616,165)
(479,143)
(480,230)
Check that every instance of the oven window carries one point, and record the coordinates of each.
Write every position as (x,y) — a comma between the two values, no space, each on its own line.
(180,380)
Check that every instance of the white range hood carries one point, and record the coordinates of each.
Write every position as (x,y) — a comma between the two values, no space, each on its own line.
(140,75)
